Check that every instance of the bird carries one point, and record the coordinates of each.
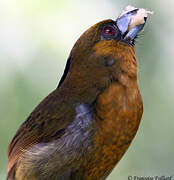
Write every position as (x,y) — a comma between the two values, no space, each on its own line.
(81,130)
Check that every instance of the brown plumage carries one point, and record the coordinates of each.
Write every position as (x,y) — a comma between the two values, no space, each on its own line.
(83,128)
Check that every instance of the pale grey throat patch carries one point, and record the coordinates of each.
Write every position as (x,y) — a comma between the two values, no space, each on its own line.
(54,160)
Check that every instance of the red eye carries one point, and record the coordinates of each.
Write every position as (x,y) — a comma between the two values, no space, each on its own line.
(109,31)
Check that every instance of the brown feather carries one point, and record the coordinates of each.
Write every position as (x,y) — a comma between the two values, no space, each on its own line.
(102,74)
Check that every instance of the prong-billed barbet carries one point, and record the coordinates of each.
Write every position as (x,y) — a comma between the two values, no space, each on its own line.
(82,129)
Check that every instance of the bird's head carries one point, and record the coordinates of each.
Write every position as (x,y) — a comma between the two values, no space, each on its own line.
(106,51)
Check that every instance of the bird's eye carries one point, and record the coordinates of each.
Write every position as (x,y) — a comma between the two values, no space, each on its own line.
(109,30)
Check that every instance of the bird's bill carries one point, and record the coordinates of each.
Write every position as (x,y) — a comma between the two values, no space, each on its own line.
(130,24)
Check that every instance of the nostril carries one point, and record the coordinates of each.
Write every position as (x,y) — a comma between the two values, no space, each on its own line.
(133,12)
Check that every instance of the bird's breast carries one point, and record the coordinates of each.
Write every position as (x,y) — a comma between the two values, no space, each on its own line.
(118,114)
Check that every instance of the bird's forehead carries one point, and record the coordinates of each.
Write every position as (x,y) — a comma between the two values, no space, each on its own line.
(104,22)
(101,23)
(98,26)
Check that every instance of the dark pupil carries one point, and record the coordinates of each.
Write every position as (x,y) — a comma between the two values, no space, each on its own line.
(108,30)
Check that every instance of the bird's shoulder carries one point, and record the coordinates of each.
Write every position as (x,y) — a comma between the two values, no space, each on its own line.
(49,121)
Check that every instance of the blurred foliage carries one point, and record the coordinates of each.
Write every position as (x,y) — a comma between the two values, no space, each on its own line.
(36,38)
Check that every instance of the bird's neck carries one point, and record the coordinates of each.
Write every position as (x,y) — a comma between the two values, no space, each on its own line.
(87,90)
(86,81)
(78,92)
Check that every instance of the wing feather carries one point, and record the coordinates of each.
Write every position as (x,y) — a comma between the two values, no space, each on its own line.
(40,126)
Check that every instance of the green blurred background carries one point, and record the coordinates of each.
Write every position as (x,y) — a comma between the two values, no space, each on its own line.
(35,40)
